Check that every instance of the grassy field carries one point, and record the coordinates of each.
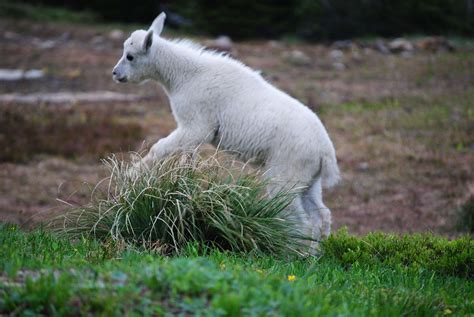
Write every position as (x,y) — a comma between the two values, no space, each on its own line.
(375,275)
(403,128)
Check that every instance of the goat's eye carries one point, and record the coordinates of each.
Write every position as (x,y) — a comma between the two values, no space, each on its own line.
(129,57)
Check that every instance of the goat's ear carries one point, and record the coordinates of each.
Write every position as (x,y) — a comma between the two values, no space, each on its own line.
(148,40)
(157,25)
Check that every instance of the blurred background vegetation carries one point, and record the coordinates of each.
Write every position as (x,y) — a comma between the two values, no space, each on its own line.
(308,19)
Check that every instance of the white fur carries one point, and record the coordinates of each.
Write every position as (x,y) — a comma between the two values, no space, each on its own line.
(218,100)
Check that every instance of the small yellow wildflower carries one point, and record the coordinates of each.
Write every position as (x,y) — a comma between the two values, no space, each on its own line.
(448,311)
(291,278)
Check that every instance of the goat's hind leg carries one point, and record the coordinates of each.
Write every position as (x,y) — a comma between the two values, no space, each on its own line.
(295,211)
(319,214)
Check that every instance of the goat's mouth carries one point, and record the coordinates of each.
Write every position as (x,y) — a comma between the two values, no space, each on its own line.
(120,79)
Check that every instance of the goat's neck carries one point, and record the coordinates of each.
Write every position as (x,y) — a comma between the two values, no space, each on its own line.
(172,67)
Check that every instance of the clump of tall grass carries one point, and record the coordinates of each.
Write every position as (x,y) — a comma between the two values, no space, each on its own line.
(183,200)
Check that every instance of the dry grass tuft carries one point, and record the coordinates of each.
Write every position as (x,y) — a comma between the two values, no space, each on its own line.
(184,200)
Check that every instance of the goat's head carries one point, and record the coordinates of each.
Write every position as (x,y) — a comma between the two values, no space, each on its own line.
(134,65)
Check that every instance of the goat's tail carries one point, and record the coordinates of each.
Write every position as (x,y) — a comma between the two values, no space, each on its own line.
(329,170)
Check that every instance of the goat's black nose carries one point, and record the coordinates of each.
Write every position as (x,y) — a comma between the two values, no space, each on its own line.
(114,73)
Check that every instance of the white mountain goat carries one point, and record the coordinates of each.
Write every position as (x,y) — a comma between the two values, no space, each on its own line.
(218,100)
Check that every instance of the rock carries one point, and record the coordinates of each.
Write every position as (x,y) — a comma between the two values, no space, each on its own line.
(274,44)
(45,45)
(343,45)
(18,74)
(116,35)
(380,46)
(69,97)
(400,45)
(356,56)
(363,167)
(64,37)
(222,43)
(367,51)
(338,66)
(435,44)
(97,40)
(336,54)
(297,57)
(33,74)
(11,35)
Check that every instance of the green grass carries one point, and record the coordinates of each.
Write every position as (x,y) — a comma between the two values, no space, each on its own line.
(45,275)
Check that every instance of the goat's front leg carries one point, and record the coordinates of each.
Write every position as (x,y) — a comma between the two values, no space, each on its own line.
(179,140)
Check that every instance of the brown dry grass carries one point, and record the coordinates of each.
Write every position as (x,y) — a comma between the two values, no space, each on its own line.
(69,132)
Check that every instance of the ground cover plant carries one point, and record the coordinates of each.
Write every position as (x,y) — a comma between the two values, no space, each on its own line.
(41,274)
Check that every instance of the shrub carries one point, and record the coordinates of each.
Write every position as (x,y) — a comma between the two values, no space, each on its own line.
(39,12)
(334,19)
(345,19)
(240,18)
(182,200)
(312,19)
(417,251)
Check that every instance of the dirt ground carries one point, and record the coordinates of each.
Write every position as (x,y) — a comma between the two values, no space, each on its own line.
(402,124)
